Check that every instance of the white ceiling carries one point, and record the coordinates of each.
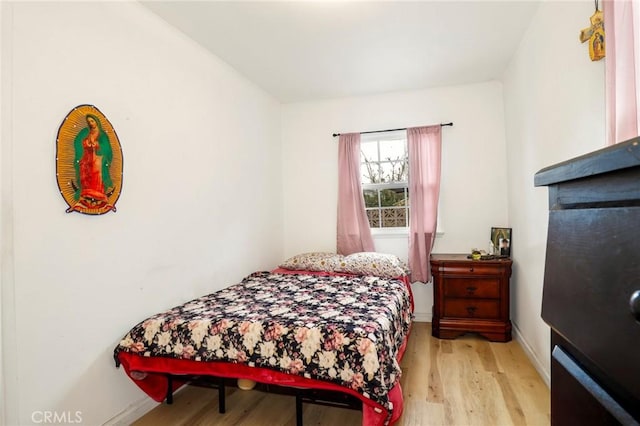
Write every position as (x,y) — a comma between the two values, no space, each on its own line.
(304,50)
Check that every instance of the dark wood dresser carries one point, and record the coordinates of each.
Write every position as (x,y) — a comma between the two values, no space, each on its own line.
(470,296)
(591,297)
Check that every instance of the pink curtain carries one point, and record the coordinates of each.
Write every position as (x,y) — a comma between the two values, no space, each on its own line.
(354,234)
(622,69)
(425,147)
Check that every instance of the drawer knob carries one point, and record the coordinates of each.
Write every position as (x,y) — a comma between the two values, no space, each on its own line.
(470,269)
(471,289)
(471,310)
(634,304)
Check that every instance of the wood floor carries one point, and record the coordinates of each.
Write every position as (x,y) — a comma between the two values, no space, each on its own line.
(466,381)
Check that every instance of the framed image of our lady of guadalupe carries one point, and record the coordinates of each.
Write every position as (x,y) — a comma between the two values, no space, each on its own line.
(88,162)
(501,240)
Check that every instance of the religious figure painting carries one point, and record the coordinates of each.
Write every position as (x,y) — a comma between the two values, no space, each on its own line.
(501,241)
(88,162)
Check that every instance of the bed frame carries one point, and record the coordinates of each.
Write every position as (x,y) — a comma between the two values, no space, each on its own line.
(302,395)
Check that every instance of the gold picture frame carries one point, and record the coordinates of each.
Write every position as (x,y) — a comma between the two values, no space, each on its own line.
(88,162)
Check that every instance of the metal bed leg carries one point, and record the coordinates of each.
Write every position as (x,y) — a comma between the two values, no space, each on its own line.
(221,396)
(298,410)
(169,389)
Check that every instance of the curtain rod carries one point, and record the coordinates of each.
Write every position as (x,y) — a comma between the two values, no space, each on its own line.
(391,130)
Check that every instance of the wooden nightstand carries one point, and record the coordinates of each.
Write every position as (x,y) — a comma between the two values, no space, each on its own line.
(470,296)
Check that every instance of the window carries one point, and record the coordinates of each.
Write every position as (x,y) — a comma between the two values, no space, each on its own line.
(384,168)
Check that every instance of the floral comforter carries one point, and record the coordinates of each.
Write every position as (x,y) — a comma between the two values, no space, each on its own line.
(342,329)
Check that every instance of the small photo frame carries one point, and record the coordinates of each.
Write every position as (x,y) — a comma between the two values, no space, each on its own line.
(501,239)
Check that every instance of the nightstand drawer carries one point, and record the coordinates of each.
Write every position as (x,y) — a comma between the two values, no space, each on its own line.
(477,288)
(469,268)
(472,308)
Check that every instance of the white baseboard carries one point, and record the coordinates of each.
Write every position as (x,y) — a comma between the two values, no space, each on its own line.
(539,366)
(422,316)
(132,412)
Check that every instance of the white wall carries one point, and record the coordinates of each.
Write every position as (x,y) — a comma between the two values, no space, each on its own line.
(200,205)
(554,110)
(2,215)
(474,174)
(7,319)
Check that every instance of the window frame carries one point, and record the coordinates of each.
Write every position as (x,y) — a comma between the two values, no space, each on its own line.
(379,137)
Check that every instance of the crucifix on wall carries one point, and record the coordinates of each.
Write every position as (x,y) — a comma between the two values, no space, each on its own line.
(595,35)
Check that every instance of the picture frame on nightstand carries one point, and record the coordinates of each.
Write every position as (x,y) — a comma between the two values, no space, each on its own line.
(502,241)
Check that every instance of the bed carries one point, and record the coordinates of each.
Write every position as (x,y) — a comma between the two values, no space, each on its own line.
(320,321)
